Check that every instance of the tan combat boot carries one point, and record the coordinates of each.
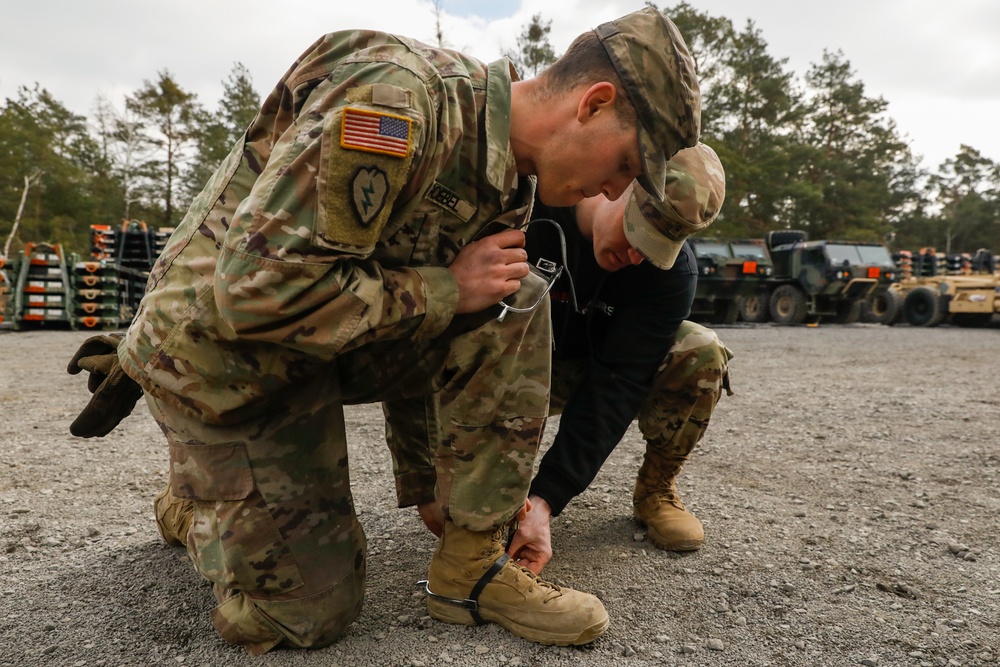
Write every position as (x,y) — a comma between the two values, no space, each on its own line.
(657,506)
(473,581)
(173,517)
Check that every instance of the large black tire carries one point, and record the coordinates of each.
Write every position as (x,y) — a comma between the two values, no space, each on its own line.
(924,307)
(726,311)
(875,307)
(780,237)
(755,308)
(788,305)
(885,306)
(848,312)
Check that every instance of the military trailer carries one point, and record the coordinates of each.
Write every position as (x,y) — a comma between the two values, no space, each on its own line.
(728,271)
(823,280)
(933,288)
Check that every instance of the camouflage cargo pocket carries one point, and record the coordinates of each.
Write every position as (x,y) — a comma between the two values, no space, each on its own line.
(234,540)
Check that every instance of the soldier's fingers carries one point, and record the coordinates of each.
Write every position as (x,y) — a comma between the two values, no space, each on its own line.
(516,544)
(533,560)
(510,238)
(519,269)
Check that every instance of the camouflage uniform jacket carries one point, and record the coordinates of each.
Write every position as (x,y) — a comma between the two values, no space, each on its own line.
(373,162)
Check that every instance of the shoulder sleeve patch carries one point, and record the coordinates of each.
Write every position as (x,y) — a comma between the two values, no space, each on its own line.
(357,186)
(375,132)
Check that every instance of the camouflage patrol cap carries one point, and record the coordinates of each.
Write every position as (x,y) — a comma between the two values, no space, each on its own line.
(658,75)
(694,190)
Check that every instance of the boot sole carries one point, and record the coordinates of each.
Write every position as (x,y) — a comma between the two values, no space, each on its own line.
(690,545)
(448,613)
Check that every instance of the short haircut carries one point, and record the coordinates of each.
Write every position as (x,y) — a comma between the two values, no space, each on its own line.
(586,62)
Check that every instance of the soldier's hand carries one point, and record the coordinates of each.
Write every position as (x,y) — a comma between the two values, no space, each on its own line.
(489,269)
(531,546)
(114,393)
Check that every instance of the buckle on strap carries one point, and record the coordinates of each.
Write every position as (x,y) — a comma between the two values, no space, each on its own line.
(471,603)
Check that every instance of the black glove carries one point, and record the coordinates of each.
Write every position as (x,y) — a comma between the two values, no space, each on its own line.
(114,393)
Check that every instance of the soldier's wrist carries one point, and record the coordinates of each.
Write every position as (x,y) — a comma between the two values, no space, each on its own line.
(539,504)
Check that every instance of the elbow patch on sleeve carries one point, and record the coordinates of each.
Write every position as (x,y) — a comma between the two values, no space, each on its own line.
(364,162)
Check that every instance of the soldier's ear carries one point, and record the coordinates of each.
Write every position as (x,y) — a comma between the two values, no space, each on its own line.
(599,97)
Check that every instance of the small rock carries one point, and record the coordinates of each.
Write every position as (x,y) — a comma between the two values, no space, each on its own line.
(482,649)
(686,649)
(869,662)
(716,645)
(638,537)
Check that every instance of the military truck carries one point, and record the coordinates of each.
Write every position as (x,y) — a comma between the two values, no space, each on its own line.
(823,280)
(934,288)
(728,270)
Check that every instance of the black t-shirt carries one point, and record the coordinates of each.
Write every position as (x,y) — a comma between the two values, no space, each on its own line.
(626,323)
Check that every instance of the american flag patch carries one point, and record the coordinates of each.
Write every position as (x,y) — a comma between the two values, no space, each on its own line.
(375,132)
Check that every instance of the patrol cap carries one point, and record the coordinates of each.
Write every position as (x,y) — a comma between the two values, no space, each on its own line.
(658,74)
(695,188)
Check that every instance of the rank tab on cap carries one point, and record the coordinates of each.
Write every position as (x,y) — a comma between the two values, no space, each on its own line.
(374,132)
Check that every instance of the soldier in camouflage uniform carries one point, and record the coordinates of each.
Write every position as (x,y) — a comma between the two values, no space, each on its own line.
(353,247)
(623,351)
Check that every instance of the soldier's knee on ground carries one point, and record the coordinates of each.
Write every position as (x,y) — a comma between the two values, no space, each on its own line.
(316,621)
(698,359)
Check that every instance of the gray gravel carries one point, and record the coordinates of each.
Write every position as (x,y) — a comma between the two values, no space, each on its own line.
(850,492)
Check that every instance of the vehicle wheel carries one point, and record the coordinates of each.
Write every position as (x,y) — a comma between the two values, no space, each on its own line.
(924,307)
(848,312)
(882,306)
(754,308)
(887,307)
(726,311)
(971,319)
(788,305)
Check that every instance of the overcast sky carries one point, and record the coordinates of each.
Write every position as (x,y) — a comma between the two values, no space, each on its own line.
(936,63)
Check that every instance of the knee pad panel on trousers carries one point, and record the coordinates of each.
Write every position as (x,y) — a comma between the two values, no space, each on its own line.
(310,622)
(234,540)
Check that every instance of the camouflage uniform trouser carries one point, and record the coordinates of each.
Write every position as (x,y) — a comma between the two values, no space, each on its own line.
(688,384)
(274,526)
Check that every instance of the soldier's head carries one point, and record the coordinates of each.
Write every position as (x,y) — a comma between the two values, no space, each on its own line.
(631,87)
(640,226)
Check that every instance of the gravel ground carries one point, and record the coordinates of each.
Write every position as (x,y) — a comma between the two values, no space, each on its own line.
(850,492)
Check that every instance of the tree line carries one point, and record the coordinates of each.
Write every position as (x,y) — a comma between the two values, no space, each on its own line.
(813,150)
(143,161)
